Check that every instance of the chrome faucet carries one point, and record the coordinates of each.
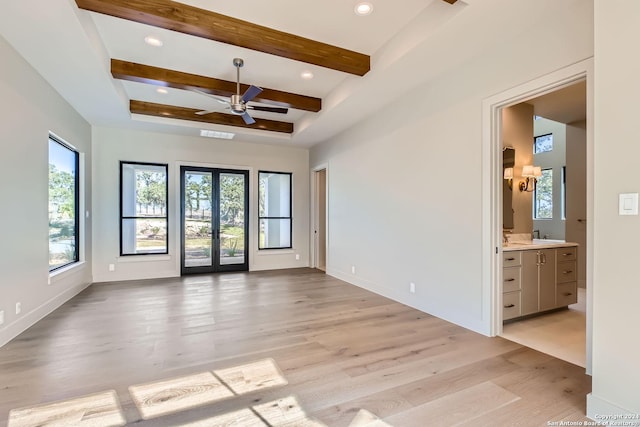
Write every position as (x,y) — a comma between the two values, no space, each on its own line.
(533,234)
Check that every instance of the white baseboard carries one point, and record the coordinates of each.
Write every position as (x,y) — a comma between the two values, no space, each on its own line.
(29,319)
(607,413)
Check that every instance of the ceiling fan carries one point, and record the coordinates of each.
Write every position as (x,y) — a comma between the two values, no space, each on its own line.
(237,104)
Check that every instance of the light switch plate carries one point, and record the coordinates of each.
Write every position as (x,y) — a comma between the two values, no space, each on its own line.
(628,204)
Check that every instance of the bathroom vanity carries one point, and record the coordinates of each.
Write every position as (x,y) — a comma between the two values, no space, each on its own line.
(538,275)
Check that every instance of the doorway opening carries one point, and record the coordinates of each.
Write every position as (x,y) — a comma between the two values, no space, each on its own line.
(549,132)
(319,237)
(579,75)
(213,222)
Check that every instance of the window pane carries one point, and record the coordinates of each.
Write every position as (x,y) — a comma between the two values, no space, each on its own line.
(232,223)
(143,208)
(63,209)
(275,233)
(275,194)
(543,200)
(144,236)
(144,190)
(543,143)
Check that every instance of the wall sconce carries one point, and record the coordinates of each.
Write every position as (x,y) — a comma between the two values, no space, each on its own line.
(531,173)
(508,175)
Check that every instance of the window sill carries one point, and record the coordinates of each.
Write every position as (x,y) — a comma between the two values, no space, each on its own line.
(276,251)
(143,258)
(64,272)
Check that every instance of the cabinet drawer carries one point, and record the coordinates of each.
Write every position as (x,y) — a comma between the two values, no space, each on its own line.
(511,258)
(511,277)
(566,294)
(567,254)
(511,305)
(566,272)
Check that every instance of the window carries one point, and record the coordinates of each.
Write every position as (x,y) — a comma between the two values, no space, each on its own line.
(63,204)
(543,143)
(143,208)
(274,198)
(543,196)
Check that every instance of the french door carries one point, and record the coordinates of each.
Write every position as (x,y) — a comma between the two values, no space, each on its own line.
(214,220)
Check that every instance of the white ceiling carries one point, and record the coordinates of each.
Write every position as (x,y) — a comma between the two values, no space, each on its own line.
(566,105)
(71,48)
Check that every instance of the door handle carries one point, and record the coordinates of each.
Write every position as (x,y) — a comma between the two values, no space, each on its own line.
(509,306)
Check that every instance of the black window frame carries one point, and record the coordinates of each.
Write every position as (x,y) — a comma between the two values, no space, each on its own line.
(290,217)
(165,217)
(535,139)
(76,200)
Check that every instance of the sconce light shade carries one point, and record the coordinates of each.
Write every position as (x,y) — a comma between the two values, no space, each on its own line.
(537,171)
(527,171)
(508,173)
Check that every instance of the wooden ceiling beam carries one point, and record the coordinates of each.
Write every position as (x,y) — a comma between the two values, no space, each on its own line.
(181,113)
(140,73)
(191,20)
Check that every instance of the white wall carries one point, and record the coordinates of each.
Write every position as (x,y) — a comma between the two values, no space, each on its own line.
(404,188)
(29,110)
(555,159)
(616,288)
(110,146)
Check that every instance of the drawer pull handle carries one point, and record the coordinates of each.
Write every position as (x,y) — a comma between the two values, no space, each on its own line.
(510,259)
(567,294)
(509,306)
(510,280)
(567,254)
(567,271)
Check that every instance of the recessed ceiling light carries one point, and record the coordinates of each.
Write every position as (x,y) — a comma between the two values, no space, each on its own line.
(216,134)
(307,75)
(162,90)
(363,8)
(153,41)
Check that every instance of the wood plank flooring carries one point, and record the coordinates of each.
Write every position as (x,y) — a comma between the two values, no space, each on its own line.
(289,347)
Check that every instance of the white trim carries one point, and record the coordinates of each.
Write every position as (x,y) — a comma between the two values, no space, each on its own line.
(491,187)
(29,319)
(64,272)
(124,259)
(607,413)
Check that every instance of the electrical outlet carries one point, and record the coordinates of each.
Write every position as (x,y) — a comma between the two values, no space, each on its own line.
(353,269)
(112,267)
(18,307)
(1,317)
(297,257)
(412,288)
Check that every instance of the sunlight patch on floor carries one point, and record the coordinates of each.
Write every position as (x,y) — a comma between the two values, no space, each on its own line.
(179,394)
(95,410)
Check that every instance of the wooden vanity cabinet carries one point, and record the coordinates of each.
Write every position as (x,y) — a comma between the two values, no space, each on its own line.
(537,280)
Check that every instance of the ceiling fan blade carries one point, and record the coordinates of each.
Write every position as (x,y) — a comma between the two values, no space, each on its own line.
(247,118)
(202,113)
(269,109)
(251,93)
(216,97)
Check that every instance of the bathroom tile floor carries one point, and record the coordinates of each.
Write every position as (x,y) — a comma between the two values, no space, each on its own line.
(561,334)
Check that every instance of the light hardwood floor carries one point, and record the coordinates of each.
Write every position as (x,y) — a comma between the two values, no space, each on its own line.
(289,347)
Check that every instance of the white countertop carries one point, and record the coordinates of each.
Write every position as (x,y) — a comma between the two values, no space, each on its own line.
(536,244)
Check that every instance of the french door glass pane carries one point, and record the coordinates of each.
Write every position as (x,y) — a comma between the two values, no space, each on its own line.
(275,233)
(232,218)
(197,218)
